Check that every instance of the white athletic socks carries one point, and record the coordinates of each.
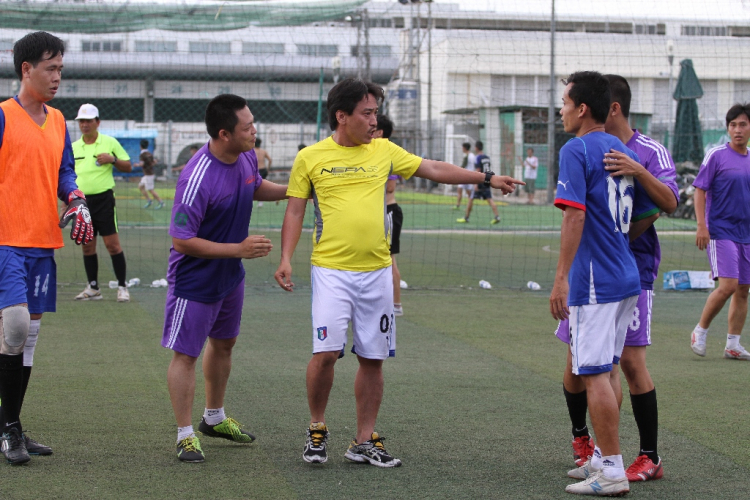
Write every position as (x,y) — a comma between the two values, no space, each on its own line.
(700,330)
(612,467)
(733,341)
(28,349)
(184,432)
(214,416)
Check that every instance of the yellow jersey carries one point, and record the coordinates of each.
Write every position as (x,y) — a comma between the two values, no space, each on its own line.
(352,229)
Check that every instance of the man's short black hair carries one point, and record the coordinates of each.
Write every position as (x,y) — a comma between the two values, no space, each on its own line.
(345,95)
(619,92)
(466,146)
(258,142)
(479,145)
(737,110)
(301,146)
(221,113)
(144,143)
(32,48)
(592,89)
(530,149)
(386,125)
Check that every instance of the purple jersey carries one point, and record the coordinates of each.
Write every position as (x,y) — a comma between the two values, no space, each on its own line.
(213,201)
(656,159)
(604,268)
(725,177)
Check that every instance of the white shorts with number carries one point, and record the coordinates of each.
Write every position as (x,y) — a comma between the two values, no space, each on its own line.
(147,181)
(363,298)
(598,334)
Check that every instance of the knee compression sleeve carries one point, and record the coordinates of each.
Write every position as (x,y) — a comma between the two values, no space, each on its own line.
(14,329)
(28,349)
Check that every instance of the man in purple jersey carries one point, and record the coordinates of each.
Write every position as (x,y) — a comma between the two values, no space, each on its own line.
(722,210)
(655,176)
(210,217)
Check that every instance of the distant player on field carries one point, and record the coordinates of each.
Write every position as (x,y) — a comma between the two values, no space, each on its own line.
(481,191)
(468,161)
(722,210)
(264,162)
(597,281)
(210,217)
(36,167)
(655,180)
(346,174)
(147,163)
(384,131)
(96,155)
(530,169)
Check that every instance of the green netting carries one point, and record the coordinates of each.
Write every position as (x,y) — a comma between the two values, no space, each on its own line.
(116,17)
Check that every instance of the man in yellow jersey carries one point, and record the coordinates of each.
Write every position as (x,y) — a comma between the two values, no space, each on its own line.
(96,155)
(36,166)
(346,176)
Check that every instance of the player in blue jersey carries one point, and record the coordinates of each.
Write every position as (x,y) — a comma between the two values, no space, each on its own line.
(596,282)
(722,211)
(655,179)
(210,217)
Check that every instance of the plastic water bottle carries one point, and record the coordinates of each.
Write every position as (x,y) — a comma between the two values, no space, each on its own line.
(533,285)
(113,284)
(134,282)
(485,284)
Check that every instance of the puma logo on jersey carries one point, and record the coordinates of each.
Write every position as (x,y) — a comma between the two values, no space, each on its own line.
(564,184)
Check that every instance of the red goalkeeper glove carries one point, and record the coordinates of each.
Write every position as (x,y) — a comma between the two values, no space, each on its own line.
(82,230)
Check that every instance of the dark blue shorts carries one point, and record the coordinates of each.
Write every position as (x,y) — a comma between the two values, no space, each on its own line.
(30,280)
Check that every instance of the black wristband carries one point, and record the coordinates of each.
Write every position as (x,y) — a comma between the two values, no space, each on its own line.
(487,176)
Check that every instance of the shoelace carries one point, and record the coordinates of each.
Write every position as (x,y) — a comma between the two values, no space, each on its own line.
(235,428)
(638,464)
(189,444)
(317,438)
(581,446)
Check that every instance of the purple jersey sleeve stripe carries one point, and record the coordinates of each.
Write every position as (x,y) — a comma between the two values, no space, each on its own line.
(711,153)
(196,176)
(661,152)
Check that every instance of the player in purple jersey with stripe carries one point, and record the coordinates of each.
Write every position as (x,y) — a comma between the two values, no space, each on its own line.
(210,218)
(655,180)
(722,209)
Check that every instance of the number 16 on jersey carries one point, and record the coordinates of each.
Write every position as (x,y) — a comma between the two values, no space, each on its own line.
(620,194)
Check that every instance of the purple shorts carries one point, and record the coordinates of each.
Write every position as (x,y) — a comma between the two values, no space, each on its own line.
(188,323)
(639,328)
(729,260)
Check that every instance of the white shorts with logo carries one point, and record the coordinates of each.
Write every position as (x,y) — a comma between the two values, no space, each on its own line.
(598,334)
(147,181)
(363,298)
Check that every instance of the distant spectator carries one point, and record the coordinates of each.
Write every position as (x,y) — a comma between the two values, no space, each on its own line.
(193,150)
(264,162)
(147,162)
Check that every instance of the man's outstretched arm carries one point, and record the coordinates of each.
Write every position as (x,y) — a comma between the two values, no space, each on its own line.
(447,173)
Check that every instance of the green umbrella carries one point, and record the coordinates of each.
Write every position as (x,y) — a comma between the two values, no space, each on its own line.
(688,138)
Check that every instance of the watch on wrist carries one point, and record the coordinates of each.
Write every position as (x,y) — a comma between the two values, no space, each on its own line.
(487,176)
(115,158)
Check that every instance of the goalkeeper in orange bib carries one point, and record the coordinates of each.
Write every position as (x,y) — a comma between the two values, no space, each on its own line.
(36,166)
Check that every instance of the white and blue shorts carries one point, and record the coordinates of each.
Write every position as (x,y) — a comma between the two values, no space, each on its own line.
(598,334)
(364,299)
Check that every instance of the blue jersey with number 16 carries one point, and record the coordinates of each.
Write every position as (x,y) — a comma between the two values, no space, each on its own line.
(604,268)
